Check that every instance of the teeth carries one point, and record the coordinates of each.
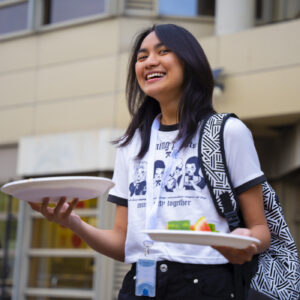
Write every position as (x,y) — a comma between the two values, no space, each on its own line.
(152,75)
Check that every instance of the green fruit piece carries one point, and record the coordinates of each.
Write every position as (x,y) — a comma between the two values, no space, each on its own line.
(212,227)
(179,225)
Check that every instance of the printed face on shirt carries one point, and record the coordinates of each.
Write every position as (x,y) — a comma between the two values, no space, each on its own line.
(140,174)
(159,71)
(158,174)
(190,169)
(171,183)
(178,171)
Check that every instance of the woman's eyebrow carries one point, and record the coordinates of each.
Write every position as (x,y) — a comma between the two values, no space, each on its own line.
(158,45)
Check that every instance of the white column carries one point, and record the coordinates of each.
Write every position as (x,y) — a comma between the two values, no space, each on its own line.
(234,16)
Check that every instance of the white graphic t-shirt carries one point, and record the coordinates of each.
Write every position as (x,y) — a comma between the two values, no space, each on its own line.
(182,193)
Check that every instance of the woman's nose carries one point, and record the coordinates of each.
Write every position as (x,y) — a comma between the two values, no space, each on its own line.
(152,60)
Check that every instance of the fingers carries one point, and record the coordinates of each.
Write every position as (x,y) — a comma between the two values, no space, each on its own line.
(72,205)
(241,231)
(35,206)
(46,211)
(59,205)
(58,214)
(61,214)
(252,250)
(237,256)
(246,254)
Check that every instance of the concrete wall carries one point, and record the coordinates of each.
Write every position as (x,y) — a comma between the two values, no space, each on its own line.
(59,81)
(69,79)
(72,78)
(261,71)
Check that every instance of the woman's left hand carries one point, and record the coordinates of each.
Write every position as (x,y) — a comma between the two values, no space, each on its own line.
(238,256)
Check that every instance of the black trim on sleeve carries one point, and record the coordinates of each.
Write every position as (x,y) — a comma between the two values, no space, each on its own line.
(248,185)
(117,200)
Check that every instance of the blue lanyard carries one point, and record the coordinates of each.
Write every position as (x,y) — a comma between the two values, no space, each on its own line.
(152,205)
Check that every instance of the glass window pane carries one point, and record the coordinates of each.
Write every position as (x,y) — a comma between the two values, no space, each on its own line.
(9,270)
(12,234)
(13,18)
(61,272)
(46,234)
(206,8)
(187,8)
(4,207)
(4,203)
(62,10)
(178,7)
(92,203)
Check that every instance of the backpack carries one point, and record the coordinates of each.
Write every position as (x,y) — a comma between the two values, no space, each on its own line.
(277,273)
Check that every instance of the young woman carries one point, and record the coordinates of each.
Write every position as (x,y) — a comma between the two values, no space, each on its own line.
(169,93)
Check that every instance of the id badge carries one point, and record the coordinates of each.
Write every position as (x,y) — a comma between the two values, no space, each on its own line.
(145,278)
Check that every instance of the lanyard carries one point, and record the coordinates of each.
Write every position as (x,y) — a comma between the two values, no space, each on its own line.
(152,205)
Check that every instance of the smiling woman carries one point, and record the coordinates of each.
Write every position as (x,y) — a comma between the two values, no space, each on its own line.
(169,94)
(157,178)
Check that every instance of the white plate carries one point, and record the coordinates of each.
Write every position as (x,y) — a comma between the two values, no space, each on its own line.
(81,187)
(202,238)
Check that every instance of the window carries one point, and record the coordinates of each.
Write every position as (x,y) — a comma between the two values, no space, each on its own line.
(187,8)
(56,263)
(8,232)
(268,11)
(13,16)
(56,11)
(61,272)
(191,8)
(58,257)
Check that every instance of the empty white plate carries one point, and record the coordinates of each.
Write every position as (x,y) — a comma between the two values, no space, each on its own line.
(81,187)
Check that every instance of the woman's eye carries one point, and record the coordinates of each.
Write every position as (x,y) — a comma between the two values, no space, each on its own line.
(140,58)
(164,51)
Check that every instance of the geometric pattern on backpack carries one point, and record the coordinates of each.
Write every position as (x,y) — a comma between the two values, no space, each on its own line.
(278,273)
(210,153)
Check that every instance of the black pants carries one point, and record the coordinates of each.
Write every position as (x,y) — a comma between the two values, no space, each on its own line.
(253,295)
(176,281)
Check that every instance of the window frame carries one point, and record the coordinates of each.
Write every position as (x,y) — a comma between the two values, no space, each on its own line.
(35,18)
(11,2)
(109,11)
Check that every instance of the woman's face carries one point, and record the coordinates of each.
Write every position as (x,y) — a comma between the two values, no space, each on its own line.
(158,70)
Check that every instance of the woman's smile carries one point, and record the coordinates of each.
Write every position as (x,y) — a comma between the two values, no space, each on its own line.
(154,76)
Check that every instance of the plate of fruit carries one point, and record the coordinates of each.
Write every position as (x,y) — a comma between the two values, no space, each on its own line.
(200,233)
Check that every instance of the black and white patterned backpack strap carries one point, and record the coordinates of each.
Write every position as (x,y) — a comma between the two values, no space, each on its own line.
(212,161)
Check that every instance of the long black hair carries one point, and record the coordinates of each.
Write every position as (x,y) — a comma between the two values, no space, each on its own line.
(196,100)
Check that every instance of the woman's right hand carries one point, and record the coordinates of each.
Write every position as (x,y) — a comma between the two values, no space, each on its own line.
(61,214)
(110,242)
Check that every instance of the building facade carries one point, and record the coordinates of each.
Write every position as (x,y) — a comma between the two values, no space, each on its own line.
(62,81)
